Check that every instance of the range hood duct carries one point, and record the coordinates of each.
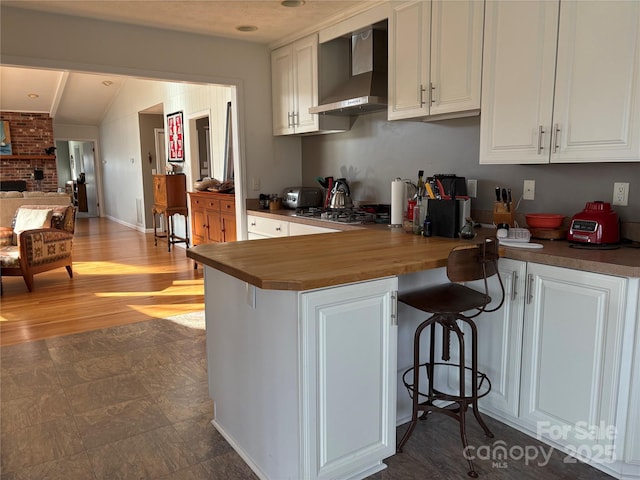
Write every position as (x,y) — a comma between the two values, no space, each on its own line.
(366,89)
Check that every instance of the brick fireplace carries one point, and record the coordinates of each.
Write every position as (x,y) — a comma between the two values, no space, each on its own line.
(31,135)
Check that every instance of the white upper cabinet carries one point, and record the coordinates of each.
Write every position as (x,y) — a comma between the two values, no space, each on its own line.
(435,58)
(517,77)
(594,115)
(294,88)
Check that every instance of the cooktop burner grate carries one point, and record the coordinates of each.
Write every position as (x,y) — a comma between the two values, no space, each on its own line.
(339,215)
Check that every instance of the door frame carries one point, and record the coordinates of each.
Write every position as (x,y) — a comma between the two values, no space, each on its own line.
(97,164)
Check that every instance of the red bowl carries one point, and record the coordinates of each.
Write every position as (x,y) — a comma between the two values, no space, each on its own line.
(544,220)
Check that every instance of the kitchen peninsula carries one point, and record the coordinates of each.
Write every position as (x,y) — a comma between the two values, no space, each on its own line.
(301,346)
(303,352)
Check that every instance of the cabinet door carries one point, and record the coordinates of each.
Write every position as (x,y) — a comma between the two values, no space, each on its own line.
(597,97)
(305,83)
(456,56)
(198,220)
(409,44)
(348,353)
(500,340)
(160,190)
(632,437)
(228,227)
(571,358)
(213,226)
(517,81)
(282,90)
(198,226)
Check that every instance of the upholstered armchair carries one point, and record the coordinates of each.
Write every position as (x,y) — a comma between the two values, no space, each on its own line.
(40,240)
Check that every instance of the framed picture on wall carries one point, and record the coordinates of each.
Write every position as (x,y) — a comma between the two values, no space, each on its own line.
(175,126)
(5,138)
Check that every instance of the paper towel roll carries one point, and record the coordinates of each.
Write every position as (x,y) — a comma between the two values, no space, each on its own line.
(397,202)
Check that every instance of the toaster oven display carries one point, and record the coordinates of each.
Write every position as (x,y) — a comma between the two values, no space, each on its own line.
(584,226)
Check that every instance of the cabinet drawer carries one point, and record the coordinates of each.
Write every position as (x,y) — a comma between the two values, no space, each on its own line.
(304,229)
(227,206)
(212,204)
(267,226)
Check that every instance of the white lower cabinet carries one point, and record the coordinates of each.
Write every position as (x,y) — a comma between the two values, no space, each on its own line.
(500,341)
(261,227)
(631,456)
(348,358)
(304,229)
(558,355)
(303,383)
(572,355)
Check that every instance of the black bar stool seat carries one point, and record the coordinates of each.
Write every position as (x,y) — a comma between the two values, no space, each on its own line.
(451,305)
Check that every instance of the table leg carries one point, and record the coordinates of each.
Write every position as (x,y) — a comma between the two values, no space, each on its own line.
(155,234)
(169,231)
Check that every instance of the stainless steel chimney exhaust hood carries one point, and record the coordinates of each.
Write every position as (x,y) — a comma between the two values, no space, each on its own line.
(366,89)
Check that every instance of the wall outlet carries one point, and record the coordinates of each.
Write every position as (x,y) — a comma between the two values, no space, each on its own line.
(472,188)
(620,194)
(255,183)
(529,190)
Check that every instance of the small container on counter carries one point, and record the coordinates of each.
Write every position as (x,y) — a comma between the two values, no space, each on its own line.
(427,227)
(275,203)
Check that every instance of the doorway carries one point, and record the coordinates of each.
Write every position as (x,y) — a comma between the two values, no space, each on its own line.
(77,174)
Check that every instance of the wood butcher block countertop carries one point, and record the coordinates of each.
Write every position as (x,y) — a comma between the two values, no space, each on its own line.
(365,253)
(314,261)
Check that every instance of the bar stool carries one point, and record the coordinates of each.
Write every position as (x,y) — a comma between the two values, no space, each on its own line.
(450,304)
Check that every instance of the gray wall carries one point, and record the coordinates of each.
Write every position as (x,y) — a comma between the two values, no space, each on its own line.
(376,151)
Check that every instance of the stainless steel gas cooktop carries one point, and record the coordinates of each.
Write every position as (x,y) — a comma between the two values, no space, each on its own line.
(342,215)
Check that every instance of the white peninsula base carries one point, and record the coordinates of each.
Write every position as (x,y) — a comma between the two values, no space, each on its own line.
(304,383)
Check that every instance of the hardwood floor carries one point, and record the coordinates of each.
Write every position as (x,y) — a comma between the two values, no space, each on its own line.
(119,277)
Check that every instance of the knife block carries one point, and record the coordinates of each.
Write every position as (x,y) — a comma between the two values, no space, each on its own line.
(504,213)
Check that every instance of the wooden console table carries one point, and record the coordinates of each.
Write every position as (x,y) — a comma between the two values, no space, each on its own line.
(169,199)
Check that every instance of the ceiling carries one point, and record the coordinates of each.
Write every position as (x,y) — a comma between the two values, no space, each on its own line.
(80,98)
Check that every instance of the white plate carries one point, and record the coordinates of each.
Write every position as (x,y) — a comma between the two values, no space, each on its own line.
(508,243)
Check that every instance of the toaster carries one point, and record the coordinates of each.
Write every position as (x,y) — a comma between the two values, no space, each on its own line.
(596,224)
(302,197)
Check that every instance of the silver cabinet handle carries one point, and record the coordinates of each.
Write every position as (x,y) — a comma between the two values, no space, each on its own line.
(530,288)
(296,122)
(540,133)
(289,116)
(253,224)
(514,284)
(394,308)
(432,96)
(556,136)
(421,92)
(278,229)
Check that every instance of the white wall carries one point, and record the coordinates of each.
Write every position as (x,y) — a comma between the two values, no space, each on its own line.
(120,134)
(45,40)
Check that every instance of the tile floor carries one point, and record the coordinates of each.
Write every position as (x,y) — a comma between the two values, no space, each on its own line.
(131,402)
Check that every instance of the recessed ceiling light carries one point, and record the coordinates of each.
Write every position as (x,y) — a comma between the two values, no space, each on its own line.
(107,83)
(292,3)
(32,95)
(246,28)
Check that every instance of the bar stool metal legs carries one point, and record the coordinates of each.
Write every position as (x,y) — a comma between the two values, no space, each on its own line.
(454,405)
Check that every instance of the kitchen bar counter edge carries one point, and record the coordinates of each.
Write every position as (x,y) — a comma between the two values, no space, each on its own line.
(365,252)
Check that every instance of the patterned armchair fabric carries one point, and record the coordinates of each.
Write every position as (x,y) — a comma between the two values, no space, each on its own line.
(39,249)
